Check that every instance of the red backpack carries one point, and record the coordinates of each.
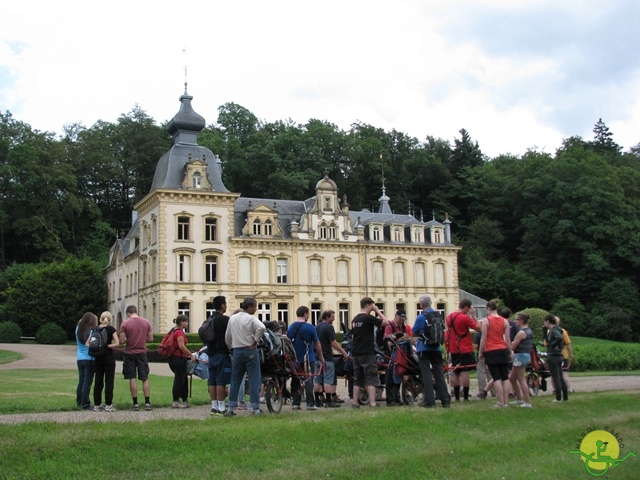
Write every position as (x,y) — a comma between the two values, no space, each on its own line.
(167,346)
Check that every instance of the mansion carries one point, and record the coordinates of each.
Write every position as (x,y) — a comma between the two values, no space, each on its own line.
(191,240)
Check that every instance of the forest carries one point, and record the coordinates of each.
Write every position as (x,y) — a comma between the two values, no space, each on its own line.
(554,231)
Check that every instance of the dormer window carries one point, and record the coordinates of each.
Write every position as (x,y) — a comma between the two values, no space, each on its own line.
(196,180)
(268,230)
(417,235)
(397,234)
(332,231)
(437,236)
(322,230)
(257,227)
(327,203)
(376,234)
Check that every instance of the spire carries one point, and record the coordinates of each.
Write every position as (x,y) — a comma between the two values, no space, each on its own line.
(384,200)
(186,124)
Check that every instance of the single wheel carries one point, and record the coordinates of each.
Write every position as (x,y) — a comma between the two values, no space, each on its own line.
(533,382)
(411,390)
(274,396)
(364,397)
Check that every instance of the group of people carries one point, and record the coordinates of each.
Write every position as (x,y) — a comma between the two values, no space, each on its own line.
(135,332)
(503,353)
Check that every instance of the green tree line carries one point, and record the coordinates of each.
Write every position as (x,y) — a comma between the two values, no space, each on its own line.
(554,231)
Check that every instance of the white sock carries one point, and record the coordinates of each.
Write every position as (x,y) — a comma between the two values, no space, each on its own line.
(214,404)
(220,405)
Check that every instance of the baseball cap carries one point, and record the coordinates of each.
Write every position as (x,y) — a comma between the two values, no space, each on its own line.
(401,313)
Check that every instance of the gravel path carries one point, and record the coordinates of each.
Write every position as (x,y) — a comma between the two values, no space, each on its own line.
(63,357)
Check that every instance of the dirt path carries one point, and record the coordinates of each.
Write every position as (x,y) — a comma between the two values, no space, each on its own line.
(64,357)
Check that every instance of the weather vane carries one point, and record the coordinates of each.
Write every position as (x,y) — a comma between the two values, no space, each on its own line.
(184,50)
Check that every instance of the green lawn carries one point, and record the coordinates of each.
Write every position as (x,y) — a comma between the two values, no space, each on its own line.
(8,357)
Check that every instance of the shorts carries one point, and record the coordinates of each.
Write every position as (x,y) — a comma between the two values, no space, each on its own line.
(521,360)
(135,362)
(326,376)
(219,370)
(498,363)
(467,360)
(365,369)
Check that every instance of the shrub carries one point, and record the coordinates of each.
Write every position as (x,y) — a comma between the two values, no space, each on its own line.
(617,357)
(10,332)
(572,314)
(536,316)
(51,334)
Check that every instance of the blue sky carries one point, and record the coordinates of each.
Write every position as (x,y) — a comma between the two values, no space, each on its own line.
(516,74)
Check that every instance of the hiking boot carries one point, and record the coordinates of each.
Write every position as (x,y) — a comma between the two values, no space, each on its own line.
(229,413)
(337,399)
(135,407)
(109,408)
(147,407)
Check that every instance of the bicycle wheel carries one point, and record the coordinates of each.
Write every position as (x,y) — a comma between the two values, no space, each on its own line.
(273,395)
(411,390)
(364,396)
(533,382)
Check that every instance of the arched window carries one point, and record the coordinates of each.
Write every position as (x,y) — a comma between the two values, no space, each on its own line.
(257,227)
(322,231)
(268,230)
(196,180)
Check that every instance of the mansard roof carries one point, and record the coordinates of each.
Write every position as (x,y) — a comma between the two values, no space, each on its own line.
(288,211)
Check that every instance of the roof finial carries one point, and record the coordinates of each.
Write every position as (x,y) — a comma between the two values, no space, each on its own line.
(184,50)
(433,214)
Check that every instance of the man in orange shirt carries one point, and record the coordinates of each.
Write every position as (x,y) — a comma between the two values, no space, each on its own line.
(460,346)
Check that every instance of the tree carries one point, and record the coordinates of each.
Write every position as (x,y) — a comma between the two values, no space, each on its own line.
(603,139)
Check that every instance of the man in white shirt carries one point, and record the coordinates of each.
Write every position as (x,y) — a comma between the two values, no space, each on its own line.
(242,336)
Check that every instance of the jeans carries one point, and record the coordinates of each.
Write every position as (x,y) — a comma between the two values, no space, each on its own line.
(85,379)
(555,369)
(105,375)
(180,389)
(433,359)
(245,360)
(296,387)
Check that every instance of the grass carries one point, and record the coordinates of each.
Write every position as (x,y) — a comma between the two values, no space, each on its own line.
(8,357)
(467,441)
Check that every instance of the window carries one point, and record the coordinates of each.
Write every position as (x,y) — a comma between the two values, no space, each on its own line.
(442,309)
(381,307)
(268,230)
(183,228)
(437,236)
(378,274)
(144,275)
(398,274)
(196,180)
(322,230)
(154,270)
(263,270)
(256,227)
(316,311)
(343,314)
(244,270)
(439,271)
(184,308)
(211,229)
(327,203)
(417,235)
(397,234)
(154,230)
(418,309)
(281,270)
(264,312)
(208,309)
(401,306)
(332,231)
(420,274)
(376,234)
(283,313)
(210,269)
(120,288)
(343,272)
(314,272)
(184,268)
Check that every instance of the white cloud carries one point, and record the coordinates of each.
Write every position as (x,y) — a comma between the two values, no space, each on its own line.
(515,75)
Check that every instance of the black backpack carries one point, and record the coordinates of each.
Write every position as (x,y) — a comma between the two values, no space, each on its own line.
(98,342)
(206,331)
(434,329)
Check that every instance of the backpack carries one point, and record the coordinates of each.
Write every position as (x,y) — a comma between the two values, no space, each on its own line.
(167,345)
(98,342)
(206,332)
(434,329)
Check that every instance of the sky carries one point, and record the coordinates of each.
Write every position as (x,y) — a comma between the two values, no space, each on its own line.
(516,74)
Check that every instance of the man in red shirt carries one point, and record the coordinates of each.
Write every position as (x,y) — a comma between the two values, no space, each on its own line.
(460,346)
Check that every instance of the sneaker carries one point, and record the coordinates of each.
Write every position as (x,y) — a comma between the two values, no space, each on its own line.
(135,407)
(258,412)
(263,400)
(556,401)
(229,413)
(311,407)
(174,405)
(147,407)
(501,405)
(242,406)
(109,408)
(332,405)
(481,395)
(516,402)
(295,407)
(186,404)
(525,405)
(100,407)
